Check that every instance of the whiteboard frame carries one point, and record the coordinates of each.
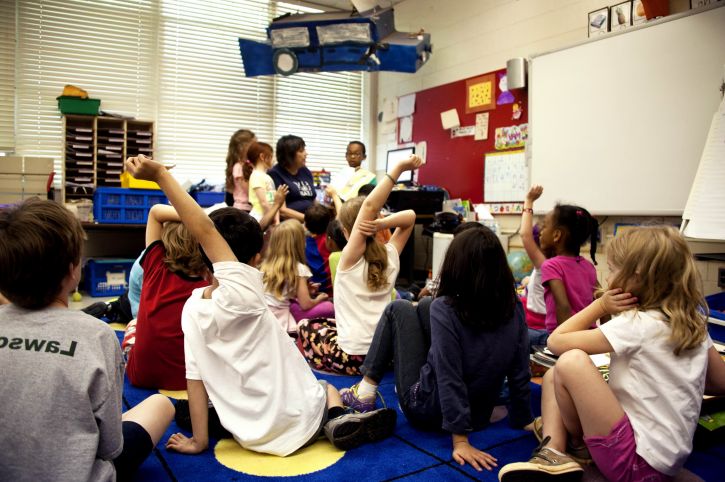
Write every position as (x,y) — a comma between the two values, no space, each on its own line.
(591,177)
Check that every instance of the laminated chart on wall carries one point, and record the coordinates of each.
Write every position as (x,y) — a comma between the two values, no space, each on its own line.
(505,177)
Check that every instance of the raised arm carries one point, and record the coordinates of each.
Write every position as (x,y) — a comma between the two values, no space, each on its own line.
(403,222)
(370,209)
(191,214)
(527,227)
(158,215)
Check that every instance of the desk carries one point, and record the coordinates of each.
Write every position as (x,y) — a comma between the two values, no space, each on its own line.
(425,204)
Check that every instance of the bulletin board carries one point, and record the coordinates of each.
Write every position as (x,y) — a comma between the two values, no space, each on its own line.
(505,177)
(457,163)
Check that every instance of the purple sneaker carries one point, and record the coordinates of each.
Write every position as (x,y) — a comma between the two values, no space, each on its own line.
(359,404)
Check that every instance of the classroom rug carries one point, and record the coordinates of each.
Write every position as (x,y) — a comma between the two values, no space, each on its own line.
(409,455)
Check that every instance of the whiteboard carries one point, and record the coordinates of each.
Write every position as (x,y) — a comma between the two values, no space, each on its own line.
(505,177)
(618,124)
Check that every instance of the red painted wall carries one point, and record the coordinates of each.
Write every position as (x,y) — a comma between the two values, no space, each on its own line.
(457,164)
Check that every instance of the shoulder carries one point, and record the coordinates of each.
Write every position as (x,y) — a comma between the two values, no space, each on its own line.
(153,251)
(237,169)
(303,270)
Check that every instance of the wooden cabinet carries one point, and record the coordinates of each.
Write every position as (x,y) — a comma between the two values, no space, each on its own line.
(95,148)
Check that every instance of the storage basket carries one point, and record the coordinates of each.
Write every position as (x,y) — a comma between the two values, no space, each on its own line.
(76,105)
(117,205)
(208,198)
(128,181)
(107,277)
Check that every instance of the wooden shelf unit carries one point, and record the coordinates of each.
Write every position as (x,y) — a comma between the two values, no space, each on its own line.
(95,148)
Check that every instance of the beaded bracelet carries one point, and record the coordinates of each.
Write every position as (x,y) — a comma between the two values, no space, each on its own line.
(528,210)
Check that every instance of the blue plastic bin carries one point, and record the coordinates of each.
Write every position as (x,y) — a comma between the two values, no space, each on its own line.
(107,277)
(716,303)
(208,198)
(117,205)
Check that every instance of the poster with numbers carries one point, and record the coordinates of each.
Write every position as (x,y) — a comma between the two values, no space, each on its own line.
(505,177)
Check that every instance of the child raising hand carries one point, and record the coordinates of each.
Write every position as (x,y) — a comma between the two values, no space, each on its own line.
(640,425)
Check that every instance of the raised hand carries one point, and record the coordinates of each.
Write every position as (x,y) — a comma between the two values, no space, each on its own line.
(413,162)
(534,193)
(145,168)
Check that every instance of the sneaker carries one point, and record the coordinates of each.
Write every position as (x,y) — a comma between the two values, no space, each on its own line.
(544,465)
(580,455)
(354,429)
(359,404)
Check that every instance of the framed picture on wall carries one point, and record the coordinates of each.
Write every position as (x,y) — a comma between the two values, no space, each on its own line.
(598,22)
(638,15)
(481,93)
(620,16)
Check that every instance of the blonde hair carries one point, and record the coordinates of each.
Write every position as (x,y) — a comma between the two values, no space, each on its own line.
(656,265)
(376,256)
(285,251)
(183,254)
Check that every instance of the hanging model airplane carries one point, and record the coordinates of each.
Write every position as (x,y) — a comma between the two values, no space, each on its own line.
(328,42)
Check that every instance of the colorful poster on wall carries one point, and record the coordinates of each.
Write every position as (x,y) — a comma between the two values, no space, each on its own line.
(481,93)
(511,137)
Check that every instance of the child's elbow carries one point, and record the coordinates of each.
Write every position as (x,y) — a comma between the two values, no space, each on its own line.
(553,343)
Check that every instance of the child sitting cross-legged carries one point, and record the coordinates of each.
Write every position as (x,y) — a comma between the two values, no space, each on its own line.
(62,370)
(237,354)
(451,355)
(285,275)
(639,426)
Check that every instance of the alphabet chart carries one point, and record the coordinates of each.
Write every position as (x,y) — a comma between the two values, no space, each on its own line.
(505,177)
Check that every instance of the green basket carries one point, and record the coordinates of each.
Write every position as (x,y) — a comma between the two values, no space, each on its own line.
(76,105)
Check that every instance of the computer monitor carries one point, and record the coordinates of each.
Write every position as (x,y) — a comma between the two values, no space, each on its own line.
(394,157)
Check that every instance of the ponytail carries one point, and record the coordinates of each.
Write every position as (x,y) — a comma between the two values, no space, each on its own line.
(579,227)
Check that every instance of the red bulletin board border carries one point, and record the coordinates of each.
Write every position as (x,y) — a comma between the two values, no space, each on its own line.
(457,164)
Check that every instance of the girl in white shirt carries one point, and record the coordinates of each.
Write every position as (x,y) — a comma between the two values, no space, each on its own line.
(285,276)
(365,276)
(261,185)
(640,425)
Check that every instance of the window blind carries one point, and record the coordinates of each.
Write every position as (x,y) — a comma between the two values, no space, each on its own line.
(175,62)
(7,75)
(107,48)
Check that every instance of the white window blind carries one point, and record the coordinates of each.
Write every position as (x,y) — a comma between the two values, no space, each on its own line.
(105,47)
(175,62)
(7,75)
(204,96)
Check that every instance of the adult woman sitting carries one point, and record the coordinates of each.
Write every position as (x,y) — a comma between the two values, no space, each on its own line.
(291,170)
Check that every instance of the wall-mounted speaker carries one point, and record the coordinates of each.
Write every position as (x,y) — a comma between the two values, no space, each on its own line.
(516,73)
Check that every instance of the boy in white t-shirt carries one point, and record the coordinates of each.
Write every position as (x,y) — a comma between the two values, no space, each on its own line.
(237,354)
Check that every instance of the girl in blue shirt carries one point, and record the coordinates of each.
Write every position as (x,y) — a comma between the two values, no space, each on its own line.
(451,355)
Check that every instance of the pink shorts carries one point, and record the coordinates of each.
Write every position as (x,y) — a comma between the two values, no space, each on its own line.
(616,457)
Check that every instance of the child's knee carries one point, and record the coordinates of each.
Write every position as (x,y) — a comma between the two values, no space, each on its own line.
(572,361)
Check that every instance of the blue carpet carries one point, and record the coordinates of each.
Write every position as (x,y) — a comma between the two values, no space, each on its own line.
(409,455)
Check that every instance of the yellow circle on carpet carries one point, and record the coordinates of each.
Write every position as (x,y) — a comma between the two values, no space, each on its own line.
(118,326)
(175,394)
(317,456)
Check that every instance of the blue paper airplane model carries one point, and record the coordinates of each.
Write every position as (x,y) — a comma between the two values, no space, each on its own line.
(325,42)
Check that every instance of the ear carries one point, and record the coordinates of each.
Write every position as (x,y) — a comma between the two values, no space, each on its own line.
(556,235)
(256,260)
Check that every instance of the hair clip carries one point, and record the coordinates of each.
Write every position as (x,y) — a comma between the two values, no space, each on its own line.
(579,212)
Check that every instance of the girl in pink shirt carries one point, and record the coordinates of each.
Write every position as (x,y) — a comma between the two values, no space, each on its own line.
(239,168)
(569,279)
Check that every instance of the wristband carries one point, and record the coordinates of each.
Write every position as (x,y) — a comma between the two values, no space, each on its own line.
(528,210)
(390,177)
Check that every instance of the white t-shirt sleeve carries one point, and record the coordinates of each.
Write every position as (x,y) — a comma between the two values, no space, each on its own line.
(303,271)
(623,333)
(192,370)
